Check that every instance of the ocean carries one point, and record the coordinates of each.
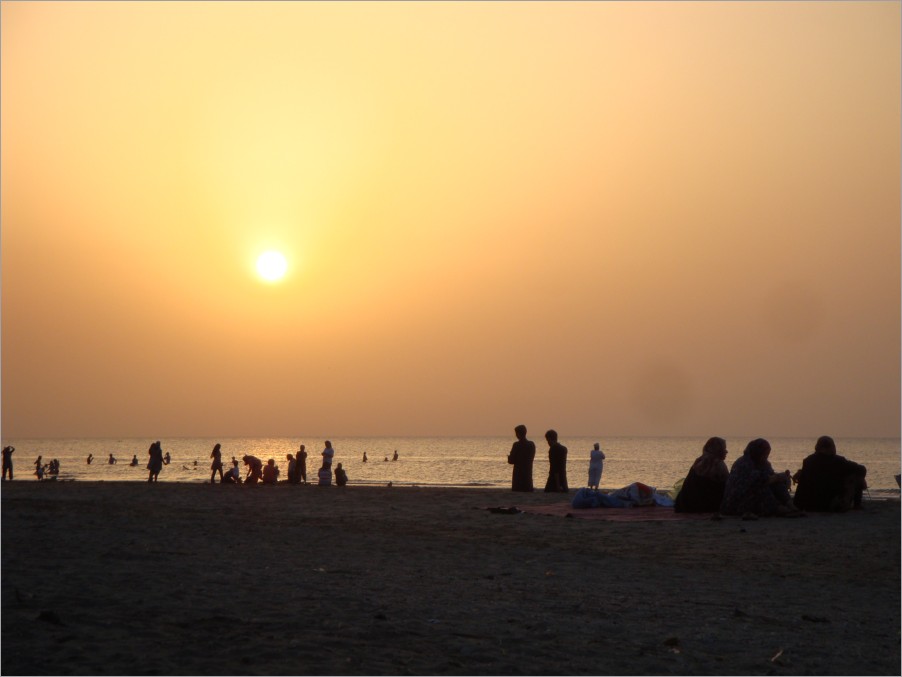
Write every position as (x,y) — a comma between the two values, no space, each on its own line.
(439,461)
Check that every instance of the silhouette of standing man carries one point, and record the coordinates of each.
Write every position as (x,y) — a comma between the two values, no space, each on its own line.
(521,457)
(8,462)
(557,464)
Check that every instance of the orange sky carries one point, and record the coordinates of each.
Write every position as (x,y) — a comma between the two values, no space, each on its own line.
(608,218)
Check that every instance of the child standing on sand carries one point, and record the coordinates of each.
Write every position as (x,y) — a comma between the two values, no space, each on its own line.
(596,465)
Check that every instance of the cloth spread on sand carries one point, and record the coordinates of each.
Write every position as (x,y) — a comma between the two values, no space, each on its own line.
(654,513)
(633,495)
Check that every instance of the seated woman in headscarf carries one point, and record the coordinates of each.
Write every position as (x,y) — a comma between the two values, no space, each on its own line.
(753,489)
(827,482)
(703,487)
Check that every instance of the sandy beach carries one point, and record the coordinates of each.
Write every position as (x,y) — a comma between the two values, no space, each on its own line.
(130,578)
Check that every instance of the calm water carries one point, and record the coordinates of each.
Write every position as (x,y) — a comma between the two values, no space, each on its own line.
(440,461)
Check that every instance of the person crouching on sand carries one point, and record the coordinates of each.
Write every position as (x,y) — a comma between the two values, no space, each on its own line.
(254,469)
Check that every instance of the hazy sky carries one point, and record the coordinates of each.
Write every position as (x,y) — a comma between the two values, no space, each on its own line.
(610,218)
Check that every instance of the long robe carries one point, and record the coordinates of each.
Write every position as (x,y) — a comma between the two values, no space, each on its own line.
(699,494)
(522,455)
(557,468)
(748,489)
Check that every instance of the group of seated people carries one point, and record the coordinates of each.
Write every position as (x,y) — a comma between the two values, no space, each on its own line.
(324,475)
(826,482)
(269,473)
(52,469)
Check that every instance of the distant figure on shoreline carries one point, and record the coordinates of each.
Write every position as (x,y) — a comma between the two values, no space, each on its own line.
(702,490)
(112,460)
(270,472)
(8,462)
(827,482)
(53,468)
(557,464)
(328,455)
(155,464)
(216,455)
(753,489)
(395,457)
(341,477)
(134,462)
(293,474)
(233,476)
(364,457)
(38,463)
(254,469)
(90,459)
(167,459)
(301,457)
(596,466)
(39,472)
(521,456)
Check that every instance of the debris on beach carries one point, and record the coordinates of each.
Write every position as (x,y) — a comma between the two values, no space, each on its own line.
(50,617)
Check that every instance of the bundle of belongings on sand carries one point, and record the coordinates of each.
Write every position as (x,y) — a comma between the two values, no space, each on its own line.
(634,495)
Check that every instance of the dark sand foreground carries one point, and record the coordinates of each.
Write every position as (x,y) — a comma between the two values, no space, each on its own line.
(130,578)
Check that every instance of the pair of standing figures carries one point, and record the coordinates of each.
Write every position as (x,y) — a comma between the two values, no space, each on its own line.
(523,454)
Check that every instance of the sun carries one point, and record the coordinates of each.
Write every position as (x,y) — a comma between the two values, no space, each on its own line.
(272,266)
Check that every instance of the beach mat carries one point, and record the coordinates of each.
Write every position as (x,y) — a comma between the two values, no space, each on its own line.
(651,513)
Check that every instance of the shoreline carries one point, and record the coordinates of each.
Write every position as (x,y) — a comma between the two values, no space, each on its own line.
(871,494)
(423,580)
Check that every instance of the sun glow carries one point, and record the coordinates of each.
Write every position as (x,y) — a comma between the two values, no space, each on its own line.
(272,266)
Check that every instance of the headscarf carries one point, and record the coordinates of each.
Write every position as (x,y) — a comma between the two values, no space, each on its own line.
(710,464)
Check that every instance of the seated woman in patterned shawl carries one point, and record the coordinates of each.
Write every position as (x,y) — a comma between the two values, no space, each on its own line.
(703,487)
(753,488)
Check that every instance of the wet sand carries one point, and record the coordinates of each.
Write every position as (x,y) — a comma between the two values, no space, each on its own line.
(131,578)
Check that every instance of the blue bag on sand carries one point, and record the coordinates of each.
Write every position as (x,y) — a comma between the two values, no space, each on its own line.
(585,498)
(589,498)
